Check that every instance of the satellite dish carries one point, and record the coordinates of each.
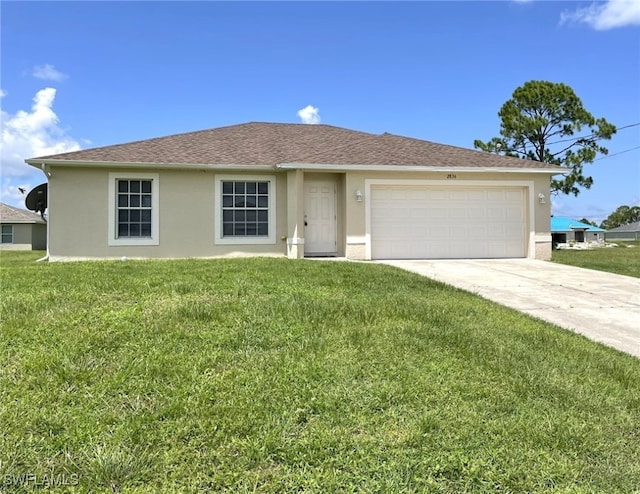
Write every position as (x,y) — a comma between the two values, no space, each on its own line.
(37,199)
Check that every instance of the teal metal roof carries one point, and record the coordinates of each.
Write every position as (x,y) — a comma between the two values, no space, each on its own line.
(562,224)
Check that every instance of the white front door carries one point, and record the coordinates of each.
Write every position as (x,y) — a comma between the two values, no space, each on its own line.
(320,231)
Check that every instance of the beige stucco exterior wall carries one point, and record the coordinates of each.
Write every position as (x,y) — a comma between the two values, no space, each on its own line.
(78,216)
(39,236)
(295,214)
(79,206)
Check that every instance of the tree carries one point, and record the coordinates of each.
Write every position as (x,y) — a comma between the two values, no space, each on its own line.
(539,122)
(621,216)
(588,222)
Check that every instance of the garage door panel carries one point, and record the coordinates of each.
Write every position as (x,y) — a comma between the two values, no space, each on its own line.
(436,213)
(478,231)
(457,249)
(477,214)
(496,212)
(458,212)
(418,213)
(495,195)
(513,213)
(457,195)
(447,222)
(436,195)
(513,195)
(476,195)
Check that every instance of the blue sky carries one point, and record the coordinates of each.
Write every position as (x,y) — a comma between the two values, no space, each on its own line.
(86,74)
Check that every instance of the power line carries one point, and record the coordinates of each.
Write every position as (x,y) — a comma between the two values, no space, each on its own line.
(616,154)
(592,134)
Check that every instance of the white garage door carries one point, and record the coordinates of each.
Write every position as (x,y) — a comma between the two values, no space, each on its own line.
(432,222)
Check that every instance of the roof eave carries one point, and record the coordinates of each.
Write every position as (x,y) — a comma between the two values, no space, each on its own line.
(418,168)
(38,163)
(22,222)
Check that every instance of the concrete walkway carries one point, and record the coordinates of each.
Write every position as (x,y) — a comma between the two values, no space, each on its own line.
(602,306)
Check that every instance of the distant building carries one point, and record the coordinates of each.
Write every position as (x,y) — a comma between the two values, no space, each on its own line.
(624,232)
(22,229)
(564,230)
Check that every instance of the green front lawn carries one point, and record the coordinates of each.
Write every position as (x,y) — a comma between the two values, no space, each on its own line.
(270,375)
(624,259)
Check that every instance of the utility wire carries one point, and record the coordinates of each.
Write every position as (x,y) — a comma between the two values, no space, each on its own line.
(591,135)
(616,154)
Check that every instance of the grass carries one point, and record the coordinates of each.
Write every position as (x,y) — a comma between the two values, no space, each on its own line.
(624,259)
(270,375)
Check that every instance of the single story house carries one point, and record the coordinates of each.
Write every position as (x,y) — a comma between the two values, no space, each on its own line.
(624,232)
(22,229)
(294,190)
(564,230)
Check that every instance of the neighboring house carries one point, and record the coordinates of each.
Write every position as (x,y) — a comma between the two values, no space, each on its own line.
(295,190)
(22,229)
(624,232)
(565,230)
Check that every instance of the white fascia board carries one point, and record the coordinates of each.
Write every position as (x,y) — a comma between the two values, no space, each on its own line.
(418,168)
(167,166)
(22,222)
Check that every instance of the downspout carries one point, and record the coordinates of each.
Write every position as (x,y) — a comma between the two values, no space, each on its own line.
(44,170)
(46,174)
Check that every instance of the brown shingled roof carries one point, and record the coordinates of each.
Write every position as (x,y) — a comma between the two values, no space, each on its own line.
(270,144)
(10,214)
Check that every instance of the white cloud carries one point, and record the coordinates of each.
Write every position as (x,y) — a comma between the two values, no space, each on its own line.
(607,15)
(28,134)
(3,93)
(309,115)
(48,73)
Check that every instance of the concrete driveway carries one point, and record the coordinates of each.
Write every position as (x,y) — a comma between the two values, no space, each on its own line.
(602,306)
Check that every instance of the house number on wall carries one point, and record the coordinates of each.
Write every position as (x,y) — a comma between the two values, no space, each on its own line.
(451,176)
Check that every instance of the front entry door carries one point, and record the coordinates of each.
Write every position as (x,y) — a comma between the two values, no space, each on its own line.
(320,232)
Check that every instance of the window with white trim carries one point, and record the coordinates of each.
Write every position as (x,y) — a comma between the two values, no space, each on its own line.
(133,208)
(245,209)
(7,234)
